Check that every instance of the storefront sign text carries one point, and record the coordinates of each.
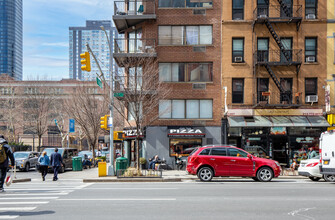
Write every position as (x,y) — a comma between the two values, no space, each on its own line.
(186,132)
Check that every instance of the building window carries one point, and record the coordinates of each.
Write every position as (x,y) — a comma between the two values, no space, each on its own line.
(186,109)
(237,90)
(311,86)
(262,86)
(311,49)
(135,110)
(184,3)
(186,72)
(135,78)
(263,49)
(238,50)
(311,9)
(238,9)
(185,35)
(286,84)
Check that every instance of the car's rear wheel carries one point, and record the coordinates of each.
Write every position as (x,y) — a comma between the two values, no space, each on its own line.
(205,174)
(264,174)
(27,167)
(62,169)
(314,178)
(329,178)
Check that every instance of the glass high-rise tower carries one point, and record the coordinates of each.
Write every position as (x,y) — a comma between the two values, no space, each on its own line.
(96,38)
(11,38)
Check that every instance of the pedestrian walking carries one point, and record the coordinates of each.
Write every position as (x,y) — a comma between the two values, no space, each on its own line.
(5,153)
(56,162)
(44,164)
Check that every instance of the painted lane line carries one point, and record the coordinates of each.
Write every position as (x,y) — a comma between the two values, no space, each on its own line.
(23,203)
(131,188)
(84,186)
(36,194)
(8,216)
(18,209)
(40,189)
(24,198)
(120,199)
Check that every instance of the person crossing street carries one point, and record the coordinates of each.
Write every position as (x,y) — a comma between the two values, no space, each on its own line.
(56,162)
(5,153)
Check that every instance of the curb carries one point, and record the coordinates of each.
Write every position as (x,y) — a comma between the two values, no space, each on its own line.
(21,180)
(133,180)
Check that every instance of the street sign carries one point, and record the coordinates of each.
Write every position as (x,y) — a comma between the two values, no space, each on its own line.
(118,94)
(110,122)
(71,125)
(99,83)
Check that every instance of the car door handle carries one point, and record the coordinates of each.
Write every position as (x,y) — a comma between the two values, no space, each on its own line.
(232,160)
(212,159)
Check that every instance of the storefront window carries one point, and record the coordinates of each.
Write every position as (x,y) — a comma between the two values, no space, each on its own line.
(183,146)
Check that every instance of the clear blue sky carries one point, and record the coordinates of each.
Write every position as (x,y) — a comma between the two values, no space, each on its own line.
(46,33)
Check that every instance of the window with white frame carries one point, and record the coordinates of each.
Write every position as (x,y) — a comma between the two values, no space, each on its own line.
(185,35)
(186,109)
(135,109)
(186,72)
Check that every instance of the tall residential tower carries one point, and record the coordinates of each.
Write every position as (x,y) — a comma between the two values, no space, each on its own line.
(11,38)
(96,38)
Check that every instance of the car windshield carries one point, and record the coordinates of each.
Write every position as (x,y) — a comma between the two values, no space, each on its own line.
(316,157)
(82,153)
(21,155)
(195,149)
(51,150)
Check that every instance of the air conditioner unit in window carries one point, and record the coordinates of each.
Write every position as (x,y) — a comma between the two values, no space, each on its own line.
(310,16)
(310,59)
(262,16)
(238,59)
(311,98)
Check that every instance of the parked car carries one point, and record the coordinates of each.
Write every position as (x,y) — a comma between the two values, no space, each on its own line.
(212,161)
(26,159)
(310,168)
(67,154)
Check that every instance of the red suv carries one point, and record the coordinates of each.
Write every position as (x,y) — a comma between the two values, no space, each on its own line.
(210,161)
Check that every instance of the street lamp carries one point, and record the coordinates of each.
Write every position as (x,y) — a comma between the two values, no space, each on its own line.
(110,170)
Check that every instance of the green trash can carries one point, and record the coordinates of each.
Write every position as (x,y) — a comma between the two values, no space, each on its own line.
(121,164)
(77,164)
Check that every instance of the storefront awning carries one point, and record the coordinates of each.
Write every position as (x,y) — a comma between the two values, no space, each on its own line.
(277,121)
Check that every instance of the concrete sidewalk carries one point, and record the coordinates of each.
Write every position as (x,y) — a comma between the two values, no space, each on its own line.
(167,176)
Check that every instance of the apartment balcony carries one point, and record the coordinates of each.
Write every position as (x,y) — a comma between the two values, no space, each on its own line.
(128,13)
(278,58)
(131,52)
(277,14)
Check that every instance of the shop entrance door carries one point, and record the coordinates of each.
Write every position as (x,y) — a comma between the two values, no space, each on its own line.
(280,149)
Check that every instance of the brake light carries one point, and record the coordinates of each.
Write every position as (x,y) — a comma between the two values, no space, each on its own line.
(312,164)
(320,153)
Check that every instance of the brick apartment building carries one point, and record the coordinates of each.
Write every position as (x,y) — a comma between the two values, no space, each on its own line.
(274,69)
(17,113)
(184,37)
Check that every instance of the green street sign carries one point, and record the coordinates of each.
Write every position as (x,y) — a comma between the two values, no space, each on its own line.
(118,94)
(99,83)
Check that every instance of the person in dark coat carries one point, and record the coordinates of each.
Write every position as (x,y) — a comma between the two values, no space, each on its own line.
(6,152)
(56,161)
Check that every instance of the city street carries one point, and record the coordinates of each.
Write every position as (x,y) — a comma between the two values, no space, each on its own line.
(221,199)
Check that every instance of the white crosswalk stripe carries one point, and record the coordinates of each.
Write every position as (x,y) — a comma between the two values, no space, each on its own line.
(21,198)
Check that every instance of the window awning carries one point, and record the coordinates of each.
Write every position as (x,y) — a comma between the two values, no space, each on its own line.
(277,121)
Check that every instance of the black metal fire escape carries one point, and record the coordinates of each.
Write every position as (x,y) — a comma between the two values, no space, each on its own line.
(288,56)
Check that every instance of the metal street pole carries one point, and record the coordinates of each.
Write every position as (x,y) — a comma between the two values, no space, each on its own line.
(110,170)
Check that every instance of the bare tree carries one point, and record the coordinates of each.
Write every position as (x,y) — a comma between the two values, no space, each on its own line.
(142,92)
(86,107)
(37,106)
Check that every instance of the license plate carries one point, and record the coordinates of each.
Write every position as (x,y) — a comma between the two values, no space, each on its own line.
(326,162)
(302,165)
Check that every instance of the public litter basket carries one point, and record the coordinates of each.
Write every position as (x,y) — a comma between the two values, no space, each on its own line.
(77,164)
(102,169)
(121,164)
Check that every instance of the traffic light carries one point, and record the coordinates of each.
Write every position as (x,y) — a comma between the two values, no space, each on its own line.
(118,135)
(103,122)
(85,62)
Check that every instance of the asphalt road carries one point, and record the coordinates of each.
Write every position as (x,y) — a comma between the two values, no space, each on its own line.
(224,199)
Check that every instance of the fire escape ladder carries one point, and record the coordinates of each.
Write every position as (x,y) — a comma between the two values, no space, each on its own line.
(284,7)
(277,39)
(274,77)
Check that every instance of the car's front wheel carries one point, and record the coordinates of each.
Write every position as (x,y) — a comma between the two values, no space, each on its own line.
(264,174)
(329,178)
(27,167)
(205,174)
(314,178)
